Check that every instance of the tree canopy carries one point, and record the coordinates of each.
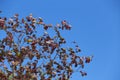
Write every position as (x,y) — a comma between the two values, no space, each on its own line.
(28,54)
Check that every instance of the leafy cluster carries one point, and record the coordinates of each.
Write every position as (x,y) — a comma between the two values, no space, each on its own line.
(24,55)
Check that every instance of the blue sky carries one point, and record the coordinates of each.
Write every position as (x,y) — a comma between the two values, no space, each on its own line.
(95,26)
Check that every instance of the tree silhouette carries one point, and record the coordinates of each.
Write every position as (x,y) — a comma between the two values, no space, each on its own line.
(28,54)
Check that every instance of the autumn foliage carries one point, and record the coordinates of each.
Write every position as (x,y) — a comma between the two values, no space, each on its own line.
(28,54)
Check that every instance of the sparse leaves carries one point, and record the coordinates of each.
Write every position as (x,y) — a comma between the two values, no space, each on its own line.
(37,57)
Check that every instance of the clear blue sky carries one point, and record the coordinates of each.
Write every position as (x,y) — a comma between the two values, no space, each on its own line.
(96,27)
